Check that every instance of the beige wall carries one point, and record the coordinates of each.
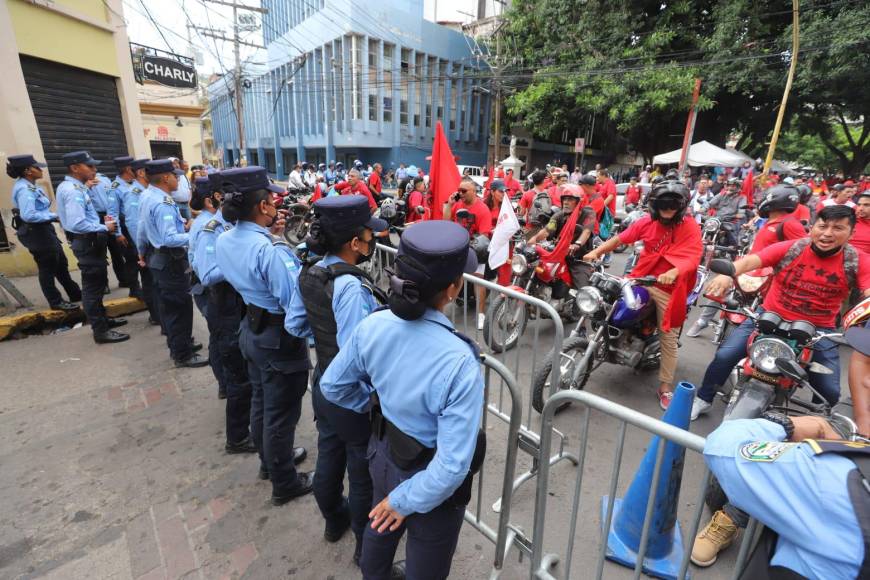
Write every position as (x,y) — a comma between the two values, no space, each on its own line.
(188,135)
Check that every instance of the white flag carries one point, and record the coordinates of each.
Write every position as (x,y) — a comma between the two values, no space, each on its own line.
(505,228)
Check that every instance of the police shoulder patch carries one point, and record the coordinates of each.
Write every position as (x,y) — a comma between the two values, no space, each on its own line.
(167,199)
(211,226)
(765,451)
(116,184)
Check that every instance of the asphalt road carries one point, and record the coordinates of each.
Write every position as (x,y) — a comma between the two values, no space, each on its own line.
(113,467)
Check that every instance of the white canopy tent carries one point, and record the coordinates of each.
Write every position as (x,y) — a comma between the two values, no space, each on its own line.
(702,153)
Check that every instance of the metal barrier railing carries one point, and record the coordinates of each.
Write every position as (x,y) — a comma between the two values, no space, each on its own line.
(528,344)
(543,563)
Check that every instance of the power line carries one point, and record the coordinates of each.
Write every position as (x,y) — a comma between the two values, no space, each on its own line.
(153,22)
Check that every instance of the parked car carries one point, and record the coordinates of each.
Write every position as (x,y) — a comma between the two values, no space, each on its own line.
(620,198)
(475,172)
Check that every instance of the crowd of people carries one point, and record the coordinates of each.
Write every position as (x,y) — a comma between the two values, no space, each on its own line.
(407,436)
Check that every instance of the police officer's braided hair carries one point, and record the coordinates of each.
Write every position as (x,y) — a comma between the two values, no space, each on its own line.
(322,241)
(239,206)
(15,172)
(408,299)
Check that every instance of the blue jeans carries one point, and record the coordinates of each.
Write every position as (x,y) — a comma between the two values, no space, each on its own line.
(734,348)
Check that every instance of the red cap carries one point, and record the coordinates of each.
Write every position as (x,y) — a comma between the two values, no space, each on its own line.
(849,183)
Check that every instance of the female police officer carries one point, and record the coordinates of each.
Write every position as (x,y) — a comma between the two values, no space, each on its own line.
(264,270)
(33,224)
(334,296)
(423,431)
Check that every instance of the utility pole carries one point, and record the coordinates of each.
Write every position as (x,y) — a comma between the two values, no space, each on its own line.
(690,127)
(795,46)
(496,151)
(237,70)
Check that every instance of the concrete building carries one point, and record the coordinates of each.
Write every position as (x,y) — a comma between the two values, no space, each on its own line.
(67,84)
(348,79)
(172,123)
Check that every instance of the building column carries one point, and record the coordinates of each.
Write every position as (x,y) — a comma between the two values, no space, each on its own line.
(276,134)
(364,85)
(413,86)
(379,103)
(328,96)
(297,124)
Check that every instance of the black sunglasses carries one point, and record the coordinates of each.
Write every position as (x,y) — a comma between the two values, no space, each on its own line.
(667,204)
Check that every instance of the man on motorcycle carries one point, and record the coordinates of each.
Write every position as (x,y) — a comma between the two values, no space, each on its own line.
(295,179)
(581,238)
(672,252)
(778,206)
(861,235)
(355,185)
(538,193)
(730,208)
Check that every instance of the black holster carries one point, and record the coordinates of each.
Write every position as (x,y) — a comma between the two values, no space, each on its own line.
(16,218)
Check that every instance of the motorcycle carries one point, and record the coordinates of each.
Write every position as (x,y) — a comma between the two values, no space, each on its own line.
(635,212)
(748,292)
(624,332)
(506,318)
(298,215)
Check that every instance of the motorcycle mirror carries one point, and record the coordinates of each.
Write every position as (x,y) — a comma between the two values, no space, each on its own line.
(791,369)
(722,266)
(732,304)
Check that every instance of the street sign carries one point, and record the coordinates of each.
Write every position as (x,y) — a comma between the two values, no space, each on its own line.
(579,145)
(168,72)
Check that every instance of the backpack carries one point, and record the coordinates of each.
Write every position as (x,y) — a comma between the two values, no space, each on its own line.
(542,205)
(780,228)
(605,226)
(850,260)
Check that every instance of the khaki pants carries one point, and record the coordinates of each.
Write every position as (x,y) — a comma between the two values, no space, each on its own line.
(667,339)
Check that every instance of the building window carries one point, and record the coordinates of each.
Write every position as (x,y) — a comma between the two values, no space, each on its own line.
(454,96)
(388,109)
(428,115)
(373,107)
(418,79)
(404,86)
(403,112)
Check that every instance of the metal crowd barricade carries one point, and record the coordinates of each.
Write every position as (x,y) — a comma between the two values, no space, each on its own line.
(543,563)
(529,343)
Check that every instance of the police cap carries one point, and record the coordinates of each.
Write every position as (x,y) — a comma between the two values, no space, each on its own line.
(245,179)
(215,178)
(436,252)
(202,186)
(138,164)
(158,166)
(79,157)
(122,162)
(497,184)
(21,161)
(345,213)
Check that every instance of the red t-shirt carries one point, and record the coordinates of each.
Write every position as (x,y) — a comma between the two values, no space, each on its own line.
(861,235)
(415,199)
(653,234)
(810,288)
(482,216)
(360,188)
(609,188)
(512,185)
(766,236)
(495,210)
(375,182)
(802,213)
(632,195)
(529,197)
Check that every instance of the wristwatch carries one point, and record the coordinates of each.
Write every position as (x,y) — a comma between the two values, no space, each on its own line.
(783,420)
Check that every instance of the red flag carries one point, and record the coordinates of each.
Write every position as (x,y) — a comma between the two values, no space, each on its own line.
(444,176)
(748,190)
(565,238)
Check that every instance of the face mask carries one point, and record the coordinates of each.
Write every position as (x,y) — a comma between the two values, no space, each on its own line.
(370,246)
(826,253)
(274,218)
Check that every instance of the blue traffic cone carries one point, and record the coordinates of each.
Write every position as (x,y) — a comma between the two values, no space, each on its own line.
(665,543)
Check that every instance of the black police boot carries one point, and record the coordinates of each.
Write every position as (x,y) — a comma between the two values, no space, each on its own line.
(357,551)
(116,322)
(335,529)
(246,446)
(222,392)
(137,293)
(195,346)
(263,473)
(192,362)
(110,336)
(153,322)
(299,455)
(65,306)
(397,572)
(304,486)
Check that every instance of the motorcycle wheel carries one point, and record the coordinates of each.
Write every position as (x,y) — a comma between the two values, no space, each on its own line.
(296,229)
(574,347)
(506,320)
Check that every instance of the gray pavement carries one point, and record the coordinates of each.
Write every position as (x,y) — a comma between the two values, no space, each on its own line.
(113,467)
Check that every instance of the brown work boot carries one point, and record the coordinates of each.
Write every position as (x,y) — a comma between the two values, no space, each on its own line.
(718,535)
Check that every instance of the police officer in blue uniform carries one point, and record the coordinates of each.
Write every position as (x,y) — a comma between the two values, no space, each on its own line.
(129,204)
(32,220)
(426,443)
(162,231)
(264,270)
(225,311)
(117,192)
(88,237)
(206,201)
(810,491)
(106,204)
(335,295)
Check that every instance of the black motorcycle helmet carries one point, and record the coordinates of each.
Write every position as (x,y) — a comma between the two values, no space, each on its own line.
(672,175)
(656,180)
(669,191)
(782,197)
(805,192)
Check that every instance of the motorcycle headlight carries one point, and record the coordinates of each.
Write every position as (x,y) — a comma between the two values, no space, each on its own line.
(712,225)
(519,264)
(765,351)
(589,300)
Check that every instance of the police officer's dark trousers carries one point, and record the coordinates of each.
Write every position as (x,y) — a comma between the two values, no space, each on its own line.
(149,292)
(225,311)
(116,251)
(170,270)
(131,263)
(42,242)
(90,251)
(342,442)
(432,536)
(278,368)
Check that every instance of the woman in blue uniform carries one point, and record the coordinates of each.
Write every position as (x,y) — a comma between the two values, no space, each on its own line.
(264,270)
(425,443)
(33,224)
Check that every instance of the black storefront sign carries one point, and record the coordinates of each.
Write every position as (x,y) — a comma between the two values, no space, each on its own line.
(168,72)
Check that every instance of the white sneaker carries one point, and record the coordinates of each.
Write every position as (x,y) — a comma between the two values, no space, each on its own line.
(697,328)
(699,407)
(481,318)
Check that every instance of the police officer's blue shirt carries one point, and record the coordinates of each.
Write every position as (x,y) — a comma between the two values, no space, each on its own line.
(100,193)
(205,257)
(182,194)
(351,302)
(430,387)
(265,274)
(801,496)
(31,201)
(160,223)
(128,207)
(199,222)
(75,208)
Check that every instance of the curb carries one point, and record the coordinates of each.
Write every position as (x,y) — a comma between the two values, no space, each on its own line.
(47,317)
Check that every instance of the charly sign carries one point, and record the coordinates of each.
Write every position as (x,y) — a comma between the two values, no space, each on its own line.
(168,72)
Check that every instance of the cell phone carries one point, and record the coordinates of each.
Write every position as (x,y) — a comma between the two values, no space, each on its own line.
(456,196)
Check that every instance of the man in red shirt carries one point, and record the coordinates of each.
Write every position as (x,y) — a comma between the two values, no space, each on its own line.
(842,195)
(608,190)
(354,185)
(418,198)
(374,182)
(861,236)
(632,194)
(672,253)
(527,207)
(513,186)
